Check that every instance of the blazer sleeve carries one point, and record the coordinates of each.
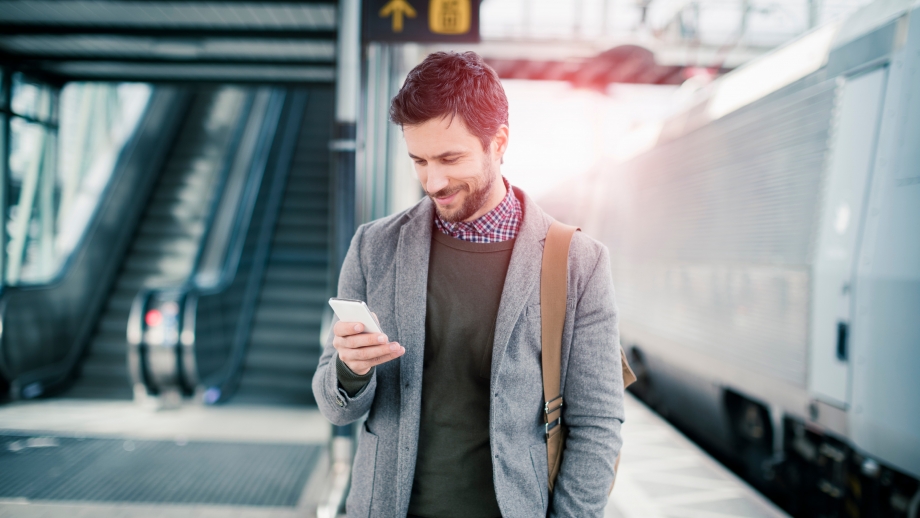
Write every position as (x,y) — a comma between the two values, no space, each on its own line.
(593,399)
(333,401)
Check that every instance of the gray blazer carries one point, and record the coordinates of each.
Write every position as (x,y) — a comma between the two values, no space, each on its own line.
(387,266)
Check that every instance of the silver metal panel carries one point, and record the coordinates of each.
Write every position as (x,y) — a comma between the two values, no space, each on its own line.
(853,140)
(711,235)
(885,415)
(211,15)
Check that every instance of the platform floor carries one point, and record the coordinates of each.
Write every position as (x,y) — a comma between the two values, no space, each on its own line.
(240,439)
(665,475)
(662,474)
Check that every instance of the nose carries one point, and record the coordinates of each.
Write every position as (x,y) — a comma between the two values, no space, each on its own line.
(436,180)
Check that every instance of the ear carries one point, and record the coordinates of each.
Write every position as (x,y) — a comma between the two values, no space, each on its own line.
(500,141)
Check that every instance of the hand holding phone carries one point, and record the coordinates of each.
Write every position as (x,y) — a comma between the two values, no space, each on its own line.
(359,341)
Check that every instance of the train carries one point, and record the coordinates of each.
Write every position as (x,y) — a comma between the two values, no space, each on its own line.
(765,250)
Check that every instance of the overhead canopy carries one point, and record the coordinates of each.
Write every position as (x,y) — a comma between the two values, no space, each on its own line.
(180,40)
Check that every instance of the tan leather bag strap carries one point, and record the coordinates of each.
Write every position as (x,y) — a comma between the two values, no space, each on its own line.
(554,277)
(553,299)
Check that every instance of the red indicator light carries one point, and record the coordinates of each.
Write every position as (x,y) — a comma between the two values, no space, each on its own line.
(153,318)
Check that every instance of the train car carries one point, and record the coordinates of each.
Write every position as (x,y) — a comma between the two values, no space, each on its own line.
(766,255)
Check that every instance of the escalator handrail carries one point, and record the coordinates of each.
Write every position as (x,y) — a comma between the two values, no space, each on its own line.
(141,152)
(238,144)
(244,209)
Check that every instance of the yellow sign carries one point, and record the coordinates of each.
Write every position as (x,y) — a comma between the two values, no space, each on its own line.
(449,16)
(397,9)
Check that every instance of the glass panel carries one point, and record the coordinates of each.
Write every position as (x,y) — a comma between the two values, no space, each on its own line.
(96,121)
(3,191)
(53,200)
(27,160)
(30,99)
(2,88)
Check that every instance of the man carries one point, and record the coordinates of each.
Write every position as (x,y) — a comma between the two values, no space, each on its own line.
(454,390)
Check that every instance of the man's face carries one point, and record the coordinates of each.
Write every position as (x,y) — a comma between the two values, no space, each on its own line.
(456,173)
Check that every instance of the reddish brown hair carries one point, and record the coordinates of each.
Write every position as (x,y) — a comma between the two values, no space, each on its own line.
(452,84)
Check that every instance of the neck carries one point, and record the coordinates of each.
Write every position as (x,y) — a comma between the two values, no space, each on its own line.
(499,191)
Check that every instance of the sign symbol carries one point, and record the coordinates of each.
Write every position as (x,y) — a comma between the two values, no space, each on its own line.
(449,16)
(397,9)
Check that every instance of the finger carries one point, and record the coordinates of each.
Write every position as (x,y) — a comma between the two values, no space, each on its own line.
(387,357)
(347,328)
(368,353)
(365,365)
(360,340)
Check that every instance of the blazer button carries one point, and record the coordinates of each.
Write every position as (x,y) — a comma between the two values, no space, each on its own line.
(339,401)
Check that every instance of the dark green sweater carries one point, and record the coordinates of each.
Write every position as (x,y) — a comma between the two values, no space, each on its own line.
(453,471)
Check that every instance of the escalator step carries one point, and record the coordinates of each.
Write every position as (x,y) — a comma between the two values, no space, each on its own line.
(284,274)
(185,246)
(114,322)
(283,362)
(265,337)
(110,343)
(288,294)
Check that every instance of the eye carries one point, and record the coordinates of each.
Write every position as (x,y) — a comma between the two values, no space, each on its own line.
(421,162)
(450,160)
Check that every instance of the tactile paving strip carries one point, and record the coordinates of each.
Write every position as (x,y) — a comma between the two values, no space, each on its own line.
(179,472)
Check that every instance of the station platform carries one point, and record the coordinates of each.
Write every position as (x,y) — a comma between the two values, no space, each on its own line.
(110,459)
(665,475)
(107,459)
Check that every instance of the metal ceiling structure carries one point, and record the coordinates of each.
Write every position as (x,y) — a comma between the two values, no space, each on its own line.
(179,40)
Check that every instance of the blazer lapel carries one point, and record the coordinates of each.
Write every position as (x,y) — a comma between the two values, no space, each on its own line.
(412,253)
(522,278)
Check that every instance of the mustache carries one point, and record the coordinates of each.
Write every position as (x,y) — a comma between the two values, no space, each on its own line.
(447,191)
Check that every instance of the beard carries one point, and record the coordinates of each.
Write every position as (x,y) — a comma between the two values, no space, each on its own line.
(475,198)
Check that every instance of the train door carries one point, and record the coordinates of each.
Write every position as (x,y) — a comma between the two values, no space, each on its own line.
(852,150)
(884,420)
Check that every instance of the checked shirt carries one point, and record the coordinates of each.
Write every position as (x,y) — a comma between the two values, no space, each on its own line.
(499,224)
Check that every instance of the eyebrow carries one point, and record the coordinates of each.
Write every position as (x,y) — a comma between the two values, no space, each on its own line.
(442,155)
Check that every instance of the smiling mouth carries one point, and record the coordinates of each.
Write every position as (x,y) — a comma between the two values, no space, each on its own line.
(445,198)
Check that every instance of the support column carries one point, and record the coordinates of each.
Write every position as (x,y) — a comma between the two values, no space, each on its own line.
(344,144)
(343,148)
(6,86)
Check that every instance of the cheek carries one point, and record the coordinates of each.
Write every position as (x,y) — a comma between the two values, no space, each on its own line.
(469,173)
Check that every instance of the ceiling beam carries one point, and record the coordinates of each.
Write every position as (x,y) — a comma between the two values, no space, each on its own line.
(186,72)
(17,59)
(8,29)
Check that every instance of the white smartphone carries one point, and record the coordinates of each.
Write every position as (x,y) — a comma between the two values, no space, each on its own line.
(355,311)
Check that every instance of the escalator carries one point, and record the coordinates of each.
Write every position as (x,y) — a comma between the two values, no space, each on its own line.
(169,237)
(284,347)
(206,274)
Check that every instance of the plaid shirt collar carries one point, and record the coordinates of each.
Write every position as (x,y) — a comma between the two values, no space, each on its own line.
(499,224)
